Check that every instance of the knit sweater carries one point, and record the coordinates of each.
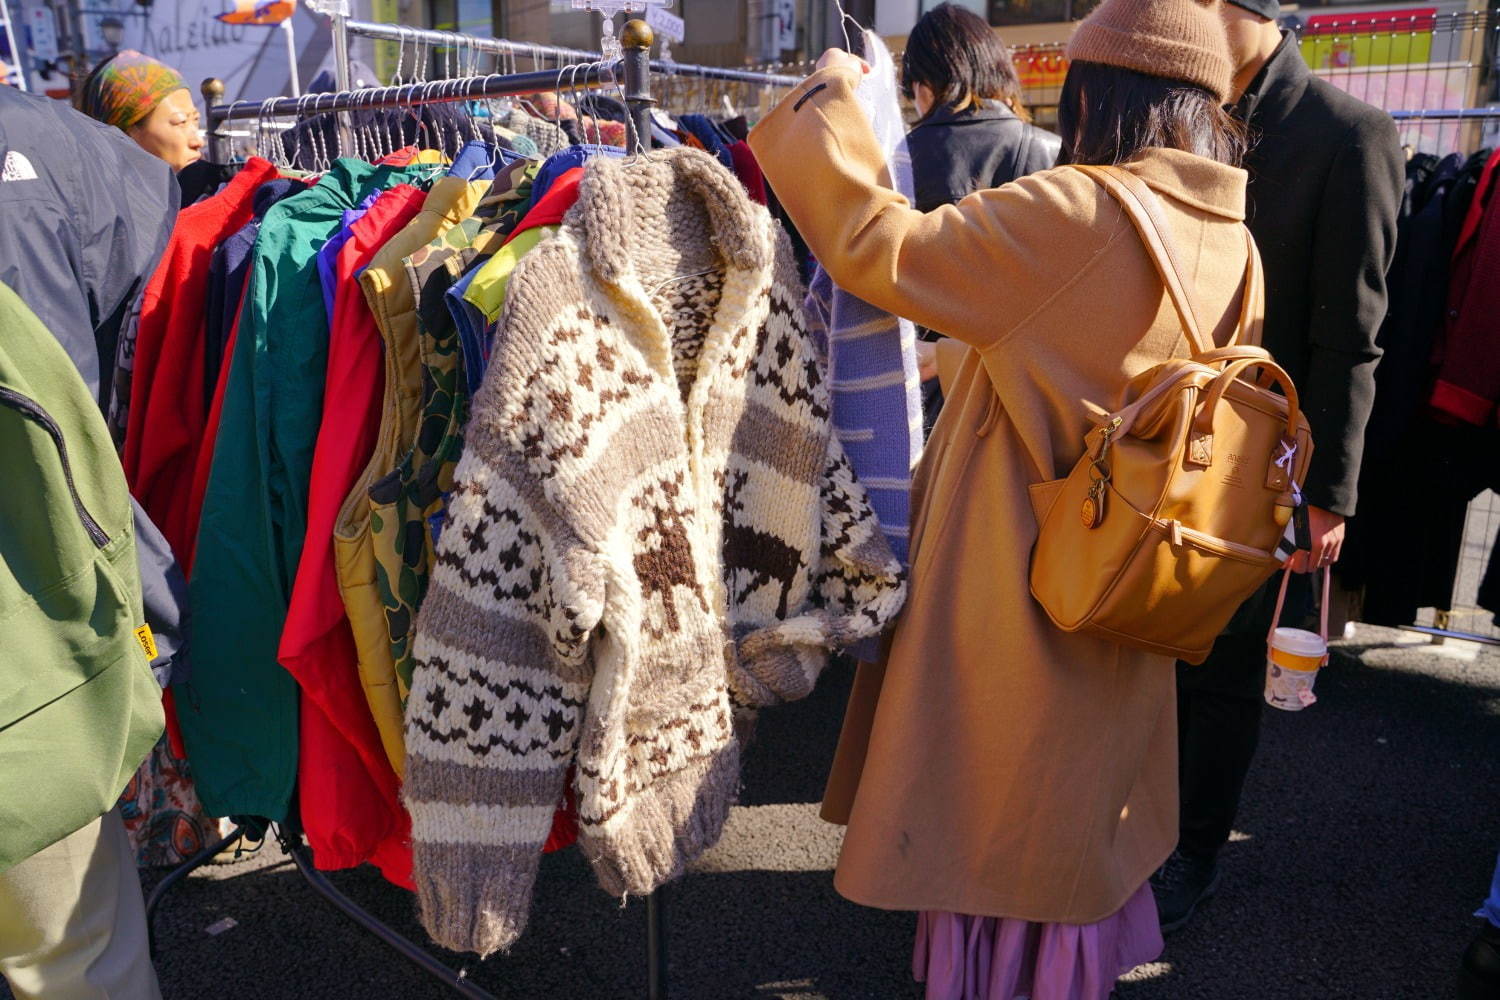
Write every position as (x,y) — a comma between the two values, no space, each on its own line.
(877,395)
(652,525)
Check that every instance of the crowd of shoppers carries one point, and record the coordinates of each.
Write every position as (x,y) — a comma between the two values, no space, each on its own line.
(1031,793)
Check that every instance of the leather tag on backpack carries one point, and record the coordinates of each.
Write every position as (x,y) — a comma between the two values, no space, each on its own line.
(148,642)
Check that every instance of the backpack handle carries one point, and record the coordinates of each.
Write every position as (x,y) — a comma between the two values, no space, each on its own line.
(1272,373)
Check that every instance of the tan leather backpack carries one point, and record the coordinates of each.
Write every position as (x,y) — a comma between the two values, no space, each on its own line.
(1172,517)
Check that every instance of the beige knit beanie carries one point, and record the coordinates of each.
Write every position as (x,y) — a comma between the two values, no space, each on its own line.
(1176,39)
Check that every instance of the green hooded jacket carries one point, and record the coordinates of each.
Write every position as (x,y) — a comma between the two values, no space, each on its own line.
(79,706)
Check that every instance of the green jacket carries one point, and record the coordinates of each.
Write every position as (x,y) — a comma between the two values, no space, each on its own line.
(238,711)
(79,706)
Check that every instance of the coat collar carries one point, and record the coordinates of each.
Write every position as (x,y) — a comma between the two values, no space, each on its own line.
(1278,86)
(601,226)
(611,189)
(947,114)
(1193,180)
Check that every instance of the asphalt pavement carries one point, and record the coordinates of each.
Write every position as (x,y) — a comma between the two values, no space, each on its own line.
(1369,831)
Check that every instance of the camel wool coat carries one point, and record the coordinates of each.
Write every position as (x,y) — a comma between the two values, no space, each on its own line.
(992,764)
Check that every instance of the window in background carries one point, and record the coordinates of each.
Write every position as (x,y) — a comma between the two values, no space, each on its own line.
(1038,11)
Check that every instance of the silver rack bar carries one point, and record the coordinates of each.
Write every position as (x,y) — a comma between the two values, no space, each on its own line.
(1443,633)
(501,46)
(1450,114)
(412,94)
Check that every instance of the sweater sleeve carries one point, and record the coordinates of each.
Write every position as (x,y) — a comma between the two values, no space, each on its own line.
(1354,243)
(501,679)
(859,587)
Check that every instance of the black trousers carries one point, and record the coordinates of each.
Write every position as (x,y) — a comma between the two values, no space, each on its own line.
(1219,707)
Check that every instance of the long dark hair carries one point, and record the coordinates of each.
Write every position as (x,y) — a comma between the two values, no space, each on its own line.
(953,51)
(1108,114)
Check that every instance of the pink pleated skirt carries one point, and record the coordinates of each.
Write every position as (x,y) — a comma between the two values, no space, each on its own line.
(998,958)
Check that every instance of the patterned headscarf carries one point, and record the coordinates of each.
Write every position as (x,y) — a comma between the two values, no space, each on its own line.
(127,88)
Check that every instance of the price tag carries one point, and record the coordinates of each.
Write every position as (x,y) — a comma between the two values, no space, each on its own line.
(666,24)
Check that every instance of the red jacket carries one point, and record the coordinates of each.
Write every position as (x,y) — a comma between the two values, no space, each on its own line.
(348,791)
(165,428)
(1468,353)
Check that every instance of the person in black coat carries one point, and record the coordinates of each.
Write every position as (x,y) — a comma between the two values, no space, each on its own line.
(973,133)
(1326,175)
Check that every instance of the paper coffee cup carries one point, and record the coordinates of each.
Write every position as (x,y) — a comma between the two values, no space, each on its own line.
(1292,663)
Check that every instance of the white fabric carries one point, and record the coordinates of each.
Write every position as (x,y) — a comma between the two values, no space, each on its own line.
(880,97)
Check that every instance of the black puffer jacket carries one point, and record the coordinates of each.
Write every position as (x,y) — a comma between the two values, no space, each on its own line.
(955,153)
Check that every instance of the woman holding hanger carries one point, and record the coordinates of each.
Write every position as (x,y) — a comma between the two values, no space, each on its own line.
(1015,784)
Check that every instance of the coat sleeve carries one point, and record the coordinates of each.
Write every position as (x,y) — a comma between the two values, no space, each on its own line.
(970,270)
(502,673)
(1354,243)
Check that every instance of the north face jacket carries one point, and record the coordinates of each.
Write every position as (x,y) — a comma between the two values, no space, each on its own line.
(86,215)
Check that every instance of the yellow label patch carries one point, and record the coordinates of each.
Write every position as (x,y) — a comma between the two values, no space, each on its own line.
(147,640)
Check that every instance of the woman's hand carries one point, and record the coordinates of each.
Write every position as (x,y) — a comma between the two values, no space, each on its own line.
(927,363)
(838,57)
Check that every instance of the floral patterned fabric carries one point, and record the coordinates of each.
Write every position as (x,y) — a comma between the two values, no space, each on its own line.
(163,817)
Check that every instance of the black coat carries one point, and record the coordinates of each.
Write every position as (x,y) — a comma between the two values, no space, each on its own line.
(954,154)
(84,217)
(1326,175)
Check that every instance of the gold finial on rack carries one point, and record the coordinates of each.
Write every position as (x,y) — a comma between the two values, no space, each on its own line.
(636,34)
(212,90)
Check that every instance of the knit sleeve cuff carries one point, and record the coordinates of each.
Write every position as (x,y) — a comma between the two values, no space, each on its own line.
(782,662)
(475,897)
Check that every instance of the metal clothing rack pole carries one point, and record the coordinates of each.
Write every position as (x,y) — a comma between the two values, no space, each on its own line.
(203,857)
(1449,114)
(404,96)
(501,46)
(296,848)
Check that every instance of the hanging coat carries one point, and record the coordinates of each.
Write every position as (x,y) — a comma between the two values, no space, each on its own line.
(239,712)
(86,215)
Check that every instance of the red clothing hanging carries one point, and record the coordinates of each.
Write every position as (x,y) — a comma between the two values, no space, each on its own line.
(165,428)
(1468,353)
(348,792)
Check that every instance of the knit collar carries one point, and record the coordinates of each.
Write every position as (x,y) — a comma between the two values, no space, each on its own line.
(611,190)
(1193,180)
(948,114)
(614,192)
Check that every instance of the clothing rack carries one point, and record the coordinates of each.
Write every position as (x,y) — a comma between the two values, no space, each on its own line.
(1440,630)
(632,73)
(504,47)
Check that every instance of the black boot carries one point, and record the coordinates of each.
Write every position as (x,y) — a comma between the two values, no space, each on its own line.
(1479,975)
(1180,886)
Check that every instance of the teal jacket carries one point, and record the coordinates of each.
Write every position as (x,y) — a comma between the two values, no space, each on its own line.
(238,711)
(79,706)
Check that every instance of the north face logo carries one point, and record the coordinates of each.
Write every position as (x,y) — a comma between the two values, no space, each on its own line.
(17,168)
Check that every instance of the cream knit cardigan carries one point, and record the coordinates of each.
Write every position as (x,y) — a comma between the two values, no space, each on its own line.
(629,558)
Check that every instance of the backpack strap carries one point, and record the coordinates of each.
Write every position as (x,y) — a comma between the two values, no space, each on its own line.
(1253,308)
(1144,210)
(1253,288)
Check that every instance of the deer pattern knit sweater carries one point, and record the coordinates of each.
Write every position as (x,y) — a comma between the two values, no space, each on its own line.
(653,532)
